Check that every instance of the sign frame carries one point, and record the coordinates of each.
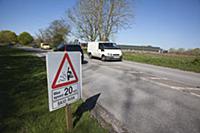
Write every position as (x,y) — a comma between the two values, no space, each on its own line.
(66,93)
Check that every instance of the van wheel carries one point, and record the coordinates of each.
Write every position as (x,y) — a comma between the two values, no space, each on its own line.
(90,55)
(103,58)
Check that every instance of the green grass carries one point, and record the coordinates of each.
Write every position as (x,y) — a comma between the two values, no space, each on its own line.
(188,63)
(24,100)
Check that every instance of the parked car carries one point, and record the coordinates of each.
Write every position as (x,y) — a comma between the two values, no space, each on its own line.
(45,46)
(70,47)
(104,50)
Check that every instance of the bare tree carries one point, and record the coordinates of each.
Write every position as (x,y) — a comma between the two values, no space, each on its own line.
(84,17)
(40,37)
(99,19)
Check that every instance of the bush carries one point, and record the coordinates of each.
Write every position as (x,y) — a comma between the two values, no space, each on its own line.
(8,37)
(196,51)
(196,61)
(25,38)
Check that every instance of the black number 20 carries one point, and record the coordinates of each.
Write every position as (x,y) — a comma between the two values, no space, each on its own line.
(68,90)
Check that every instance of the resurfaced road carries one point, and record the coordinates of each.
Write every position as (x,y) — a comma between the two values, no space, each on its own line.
(145,98)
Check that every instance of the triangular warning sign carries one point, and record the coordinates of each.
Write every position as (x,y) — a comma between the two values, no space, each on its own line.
(66,74)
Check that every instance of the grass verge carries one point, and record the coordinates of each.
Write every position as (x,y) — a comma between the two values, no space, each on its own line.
(188,63)
(24,100)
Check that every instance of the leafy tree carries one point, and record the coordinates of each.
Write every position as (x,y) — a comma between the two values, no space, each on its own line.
(8,37)
(196,51)
(55,34)
(58,31)
(25,38)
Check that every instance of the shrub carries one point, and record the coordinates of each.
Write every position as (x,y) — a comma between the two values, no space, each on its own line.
(8,37)
(25,38)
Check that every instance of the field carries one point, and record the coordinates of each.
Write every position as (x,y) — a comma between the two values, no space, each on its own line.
(24,100)
(183,62)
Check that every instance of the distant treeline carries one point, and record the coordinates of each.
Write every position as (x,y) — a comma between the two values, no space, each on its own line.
(194,51)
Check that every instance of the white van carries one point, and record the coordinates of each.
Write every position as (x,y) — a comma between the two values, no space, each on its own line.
(45,46)
(104,50)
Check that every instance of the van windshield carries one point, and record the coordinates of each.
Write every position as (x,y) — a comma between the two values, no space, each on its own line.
(45,44)
(108,46)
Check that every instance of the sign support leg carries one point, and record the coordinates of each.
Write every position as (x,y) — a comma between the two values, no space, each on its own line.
(69,117)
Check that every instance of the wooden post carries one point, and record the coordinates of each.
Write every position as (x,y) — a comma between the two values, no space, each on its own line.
(69,117)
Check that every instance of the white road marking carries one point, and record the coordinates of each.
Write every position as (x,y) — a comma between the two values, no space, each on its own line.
(184,88)
(174,87)
(158,78)
(195,94)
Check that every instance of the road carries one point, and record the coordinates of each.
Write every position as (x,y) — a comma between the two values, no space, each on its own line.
(144,98)
(36,51)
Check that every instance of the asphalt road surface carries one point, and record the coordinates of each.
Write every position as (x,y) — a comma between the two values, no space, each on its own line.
(36,51)
(145,98)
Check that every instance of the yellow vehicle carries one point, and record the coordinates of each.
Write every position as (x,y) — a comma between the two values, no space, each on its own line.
(45,46)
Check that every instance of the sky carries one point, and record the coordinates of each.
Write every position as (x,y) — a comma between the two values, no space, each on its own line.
(163,23)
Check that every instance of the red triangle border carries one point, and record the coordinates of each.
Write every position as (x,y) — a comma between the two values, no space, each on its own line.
(54,85)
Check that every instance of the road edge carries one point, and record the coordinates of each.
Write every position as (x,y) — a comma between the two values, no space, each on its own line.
(106,119)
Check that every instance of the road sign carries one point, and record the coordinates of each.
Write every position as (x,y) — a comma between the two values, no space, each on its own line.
(64,78)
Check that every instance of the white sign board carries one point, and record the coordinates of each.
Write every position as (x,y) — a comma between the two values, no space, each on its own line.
(64,77)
